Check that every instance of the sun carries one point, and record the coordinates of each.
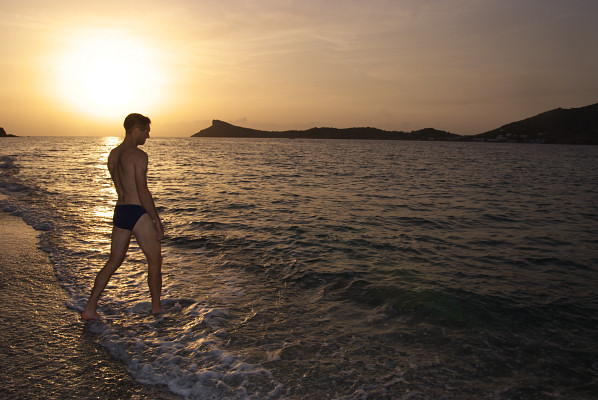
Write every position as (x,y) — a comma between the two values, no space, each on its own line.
(109,73)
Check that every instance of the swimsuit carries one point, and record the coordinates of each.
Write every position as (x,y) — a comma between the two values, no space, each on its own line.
(127,215)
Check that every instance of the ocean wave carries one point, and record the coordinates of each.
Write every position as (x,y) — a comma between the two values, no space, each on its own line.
(188,356)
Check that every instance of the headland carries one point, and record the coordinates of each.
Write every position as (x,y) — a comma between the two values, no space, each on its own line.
(558,126)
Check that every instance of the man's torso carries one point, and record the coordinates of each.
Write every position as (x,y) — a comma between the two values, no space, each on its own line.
(122,164)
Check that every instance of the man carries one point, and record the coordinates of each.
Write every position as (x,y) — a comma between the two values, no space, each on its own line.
(135,213)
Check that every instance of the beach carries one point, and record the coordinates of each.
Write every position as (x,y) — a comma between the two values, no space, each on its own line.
(45,350)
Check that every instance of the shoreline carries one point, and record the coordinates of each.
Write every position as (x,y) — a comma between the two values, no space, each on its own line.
(45,350)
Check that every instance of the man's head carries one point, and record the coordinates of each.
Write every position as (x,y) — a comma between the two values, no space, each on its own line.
(137,125)
(136,120)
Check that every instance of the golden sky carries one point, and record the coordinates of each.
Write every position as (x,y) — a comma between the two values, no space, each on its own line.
(465,66)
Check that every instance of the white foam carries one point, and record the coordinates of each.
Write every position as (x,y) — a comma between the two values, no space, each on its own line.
(31,216)
(140,308)
(182,350)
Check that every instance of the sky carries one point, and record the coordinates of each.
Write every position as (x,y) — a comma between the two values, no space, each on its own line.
(464,66)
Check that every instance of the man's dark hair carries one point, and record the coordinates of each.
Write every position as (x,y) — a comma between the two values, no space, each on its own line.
(134,120)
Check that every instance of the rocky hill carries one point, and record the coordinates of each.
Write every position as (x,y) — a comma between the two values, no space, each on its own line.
(224,129)
(565,126)
(4,134)
(560,126)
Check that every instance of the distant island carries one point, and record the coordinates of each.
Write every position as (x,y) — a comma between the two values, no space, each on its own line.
(4,134)
(559,126)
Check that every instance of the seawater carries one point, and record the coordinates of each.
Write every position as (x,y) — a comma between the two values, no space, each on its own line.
(308,269)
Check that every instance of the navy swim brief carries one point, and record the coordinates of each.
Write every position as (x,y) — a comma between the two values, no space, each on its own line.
(127,215)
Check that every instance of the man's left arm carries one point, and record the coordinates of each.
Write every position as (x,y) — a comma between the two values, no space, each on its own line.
(145,196)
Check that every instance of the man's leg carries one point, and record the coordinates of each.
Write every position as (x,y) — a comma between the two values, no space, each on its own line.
(145,233)
(118,249)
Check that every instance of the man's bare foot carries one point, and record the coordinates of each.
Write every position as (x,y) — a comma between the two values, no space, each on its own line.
(157,311)
(89,316)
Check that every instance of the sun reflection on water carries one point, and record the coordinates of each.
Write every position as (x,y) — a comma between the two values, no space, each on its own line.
(106,194)
(109,143)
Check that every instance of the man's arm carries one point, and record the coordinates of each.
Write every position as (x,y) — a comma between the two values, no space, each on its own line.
(145,197)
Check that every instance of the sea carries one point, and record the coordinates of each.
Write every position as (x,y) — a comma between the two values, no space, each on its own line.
(341,269)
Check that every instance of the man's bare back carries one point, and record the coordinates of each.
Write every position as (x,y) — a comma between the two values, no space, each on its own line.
(121,164)
(135,213)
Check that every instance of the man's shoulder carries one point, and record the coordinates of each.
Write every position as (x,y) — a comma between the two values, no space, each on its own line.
(132,152)
(125,155)
(137,156)
(140,153)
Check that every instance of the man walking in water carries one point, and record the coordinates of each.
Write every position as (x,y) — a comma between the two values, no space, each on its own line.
(135,213)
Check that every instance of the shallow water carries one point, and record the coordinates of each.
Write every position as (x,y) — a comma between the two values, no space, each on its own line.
(44,352)
(341,269)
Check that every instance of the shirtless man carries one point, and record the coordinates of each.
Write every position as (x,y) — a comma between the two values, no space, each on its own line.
(135,213)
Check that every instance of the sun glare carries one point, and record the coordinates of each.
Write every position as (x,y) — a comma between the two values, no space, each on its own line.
(107,74)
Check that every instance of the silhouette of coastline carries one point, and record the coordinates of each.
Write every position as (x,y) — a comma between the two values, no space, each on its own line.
(559,126)
(224,129)
(4,134)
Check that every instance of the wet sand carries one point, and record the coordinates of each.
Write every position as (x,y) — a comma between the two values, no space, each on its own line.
(45,350)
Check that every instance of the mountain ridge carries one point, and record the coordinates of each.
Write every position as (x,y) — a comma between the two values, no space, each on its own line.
(558,126)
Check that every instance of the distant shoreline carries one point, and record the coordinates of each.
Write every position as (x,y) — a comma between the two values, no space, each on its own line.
(4,134)
(559,126)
